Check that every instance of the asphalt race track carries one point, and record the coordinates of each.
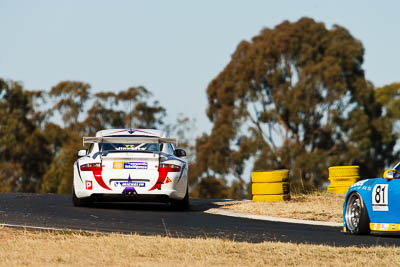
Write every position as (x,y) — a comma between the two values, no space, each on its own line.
(56,211)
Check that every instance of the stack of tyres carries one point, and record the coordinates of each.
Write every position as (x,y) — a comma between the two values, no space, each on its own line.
(269,186)
(342,177)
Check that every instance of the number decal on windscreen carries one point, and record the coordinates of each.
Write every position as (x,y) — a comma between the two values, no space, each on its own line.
(380,199)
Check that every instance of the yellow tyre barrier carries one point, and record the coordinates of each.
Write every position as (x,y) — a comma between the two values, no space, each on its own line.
(271,198)
(342,177)
(343,171)
(270,176)
(270,188)
(342,183)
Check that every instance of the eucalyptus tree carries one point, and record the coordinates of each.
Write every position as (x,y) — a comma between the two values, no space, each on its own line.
(294,97)
(24,150)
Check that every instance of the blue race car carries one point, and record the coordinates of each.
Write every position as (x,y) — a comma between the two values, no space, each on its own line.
(373,204)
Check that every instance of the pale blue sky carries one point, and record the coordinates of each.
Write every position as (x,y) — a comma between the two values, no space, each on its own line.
(173,48)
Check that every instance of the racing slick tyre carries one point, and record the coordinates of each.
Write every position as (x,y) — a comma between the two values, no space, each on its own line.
(80,202)
(269,176)
(182,204)
(357,220)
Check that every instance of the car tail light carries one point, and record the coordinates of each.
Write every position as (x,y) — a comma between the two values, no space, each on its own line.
(169,168)
(91,167)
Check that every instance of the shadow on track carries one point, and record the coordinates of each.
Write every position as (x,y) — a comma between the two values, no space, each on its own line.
(195,205)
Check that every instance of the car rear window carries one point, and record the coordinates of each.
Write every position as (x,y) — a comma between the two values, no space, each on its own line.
(130,147)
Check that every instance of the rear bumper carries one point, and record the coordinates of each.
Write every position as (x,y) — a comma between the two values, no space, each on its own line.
(129,198)
(169,193)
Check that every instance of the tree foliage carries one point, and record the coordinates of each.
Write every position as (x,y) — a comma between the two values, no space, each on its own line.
(22,142)
(295,97)
(109,110)
(36,154)
(70,99)
(389,97)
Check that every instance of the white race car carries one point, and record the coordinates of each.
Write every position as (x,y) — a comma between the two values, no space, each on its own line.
(131,165)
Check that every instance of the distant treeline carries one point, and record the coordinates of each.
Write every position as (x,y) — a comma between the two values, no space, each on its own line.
(294,97)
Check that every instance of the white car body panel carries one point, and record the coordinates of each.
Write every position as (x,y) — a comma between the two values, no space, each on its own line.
(130,170)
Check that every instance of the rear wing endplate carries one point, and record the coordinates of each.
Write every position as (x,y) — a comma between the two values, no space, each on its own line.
(128,140)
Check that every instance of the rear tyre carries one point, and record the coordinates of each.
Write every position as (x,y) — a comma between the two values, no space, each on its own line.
(182,204)
(80,202)
(357,220)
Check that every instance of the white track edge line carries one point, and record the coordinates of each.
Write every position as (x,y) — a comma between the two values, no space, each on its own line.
(32,227)
(225,212)
(41,228)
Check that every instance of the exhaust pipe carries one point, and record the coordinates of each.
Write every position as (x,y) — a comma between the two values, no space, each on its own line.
(129,191)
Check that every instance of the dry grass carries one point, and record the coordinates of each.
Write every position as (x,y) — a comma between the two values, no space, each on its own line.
(319,206)
(22,248)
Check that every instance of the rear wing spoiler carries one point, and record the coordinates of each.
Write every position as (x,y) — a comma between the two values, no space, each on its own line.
(128,140)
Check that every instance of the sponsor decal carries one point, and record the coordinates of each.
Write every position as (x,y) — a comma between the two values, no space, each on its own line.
(118,165)
(359,183)
(130,146)
(129,183)
(389,227)
(130,165)
(380,199)
(135,165)
(89,185)
(384,226)
(125,148)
